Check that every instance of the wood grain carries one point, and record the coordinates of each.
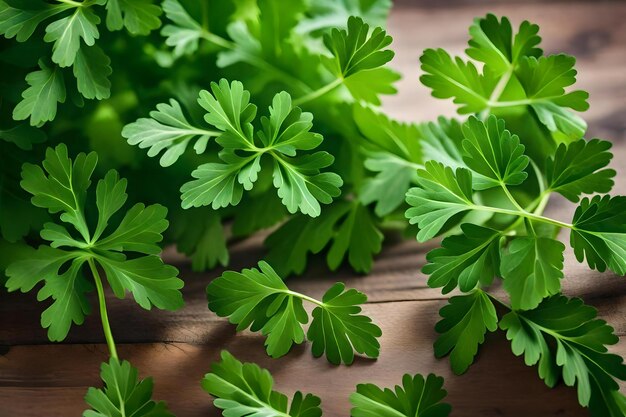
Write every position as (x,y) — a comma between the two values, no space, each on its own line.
(38,378)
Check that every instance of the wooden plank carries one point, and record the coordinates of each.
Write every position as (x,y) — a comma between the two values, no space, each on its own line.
(498,384)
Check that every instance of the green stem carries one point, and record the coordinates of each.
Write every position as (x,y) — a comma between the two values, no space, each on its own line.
(103,309)
(318,93)
(511,198)
(530,216)
(305,297)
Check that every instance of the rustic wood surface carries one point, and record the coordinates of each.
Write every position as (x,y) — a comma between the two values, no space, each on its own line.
(38,378)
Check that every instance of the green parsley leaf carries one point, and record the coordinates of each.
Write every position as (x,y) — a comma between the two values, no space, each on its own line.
(123,394)
(92,70)
(259,299)
(140,17)
(492,43)
(514,75)
(457,79)
(167,129)
(338,329)
(544,81)
(39,100)
(347,227)
(67,32)
(62,188)
(532,268)
(297,178)
(184,33)
(417,397)
(571,328)
(326,14)
(443,194)
(493,152)
(20,18)
(200,235)
(395,155)
(578,168)
(245,389)
(464,260)
(466,320)
(599,233)
(23,136)
(357,50)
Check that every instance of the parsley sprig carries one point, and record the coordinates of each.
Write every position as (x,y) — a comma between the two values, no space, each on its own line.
(259,299)
(485,186)
(122,245)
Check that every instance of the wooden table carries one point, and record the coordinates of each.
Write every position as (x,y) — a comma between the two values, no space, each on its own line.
(38,378)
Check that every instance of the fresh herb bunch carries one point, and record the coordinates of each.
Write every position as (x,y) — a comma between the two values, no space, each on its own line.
(486,187)
(245,389)
(328,57)
(328,77)
(123,245)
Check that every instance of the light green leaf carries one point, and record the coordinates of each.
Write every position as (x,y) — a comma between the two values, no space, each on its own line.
(167,129)
(323,15)
(358,59)
(302,187)
(123,394)
(288,128)
(221,184)
(20,18)
(67,32)
(184,33)
(493,152)
(466,320)
(229,110)
(493,43)
(417,397)
(356,49)
(464,260)
(532,268)
(245,389)
(443,194)
(39,100)
(579,168)
(544,80)
(457,79)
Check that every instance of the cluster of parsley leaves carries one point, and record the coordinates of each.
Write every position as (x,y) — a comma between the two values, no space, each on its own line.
(330,183)
(485,183)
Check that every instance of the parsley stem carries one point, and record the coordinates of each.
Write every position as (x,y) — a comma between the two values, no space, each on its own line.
(530,216)
(103,309)
(318,93)
(510,197)
(305,297)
